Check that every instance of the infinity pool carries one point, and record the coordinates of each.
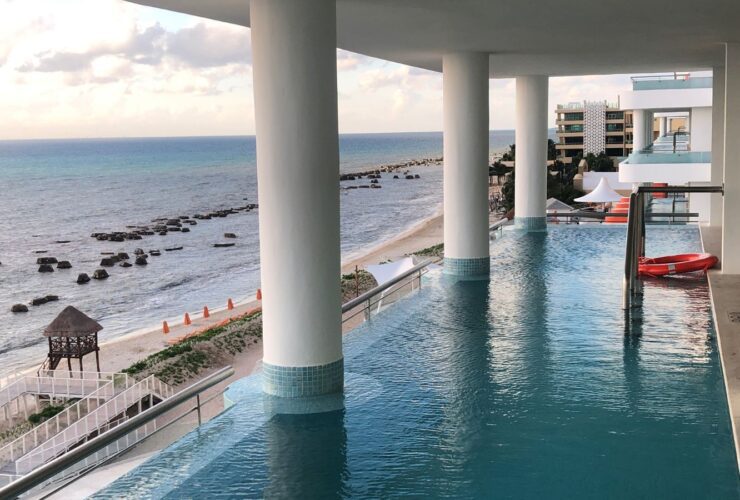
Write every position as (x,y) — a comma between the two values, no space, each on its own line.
(531,385)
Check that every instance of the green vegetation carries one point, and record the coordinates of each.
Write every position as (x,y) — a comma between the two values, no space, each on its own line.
(600,162)
(559,184)
(178,363)
(354,285)
(432,251)
(45,414)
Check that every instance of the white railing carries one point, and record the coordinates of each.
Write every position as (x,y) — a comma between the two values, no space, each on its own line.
(52,386)
(58,467)
(106,389)
(97,421)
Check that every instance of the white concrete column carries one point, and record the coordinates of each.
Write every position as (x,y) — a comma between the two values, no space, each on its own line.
(638,130)
(663,123)
(295,97)
(531,152)
(731,199)
(718,142)
(465,110)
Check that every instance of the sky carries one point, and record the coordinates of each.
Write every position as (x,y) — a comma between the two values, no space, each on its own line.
(108,68)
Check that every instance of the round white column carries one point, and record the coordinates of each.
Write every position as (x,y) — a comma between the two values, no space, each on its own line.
(530,168)
(465,110)
(638,131)
(718,142)
(295,98)
(663,123)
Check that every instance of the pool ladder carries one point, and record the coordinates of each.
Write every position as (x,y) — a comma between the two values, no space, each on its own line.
(631,284)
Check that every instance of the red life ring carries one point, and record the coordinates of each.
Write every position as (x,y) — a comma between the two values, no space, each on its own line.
(676,264)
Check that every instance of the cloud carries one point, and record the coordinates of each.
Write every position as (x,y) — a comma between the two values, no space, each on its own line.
(200,46)
(203,46)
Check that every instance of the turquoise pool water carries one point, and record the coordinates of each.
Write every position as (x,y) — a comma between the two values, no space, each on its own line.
(531,385)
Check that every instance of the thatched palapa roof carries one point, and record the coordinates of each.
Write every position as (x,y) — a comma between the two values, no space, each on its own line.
(72,323)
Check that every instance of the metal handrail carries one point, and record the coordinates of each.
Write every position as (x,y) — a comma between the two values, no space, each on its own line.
(498,224)
(351,304)
(603,215)
(636,234)
(54,467)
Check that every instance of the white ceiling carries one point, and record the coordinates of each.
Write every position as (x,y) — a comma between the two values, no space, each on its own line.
(524,37)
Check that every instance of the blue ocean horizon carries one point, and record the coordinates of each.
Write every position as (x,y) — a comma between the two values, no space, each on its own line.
(66,189)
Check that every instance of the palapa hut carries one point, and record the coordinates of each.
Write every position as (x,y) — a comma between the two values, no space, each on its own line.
(72,335)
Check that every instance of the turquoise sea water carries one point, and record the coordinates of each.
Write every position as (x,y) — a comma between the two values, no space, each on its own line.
(532,385)
(67,189)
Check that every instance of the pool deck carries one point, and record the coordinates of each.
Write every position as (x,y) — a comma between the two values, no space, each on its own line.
(725,294)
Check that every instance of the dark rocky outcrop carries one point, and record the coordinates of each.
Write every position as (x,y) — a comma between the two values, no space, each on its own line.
(139,251)
(223,245)
(185,230)
(123,256)
(46,268)
(82,278)
(155,253)
(172,249)
(19,308)
(100,274)
(52,298)
(125,264)
(64,264)
(46,260)
(39,301)
(141,261)
(108,262)
(229,235)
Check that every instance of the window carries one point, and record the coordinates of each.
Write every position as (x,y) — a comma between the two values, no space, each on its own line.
(573,116)
(572,128)
(615,115)
(614,127)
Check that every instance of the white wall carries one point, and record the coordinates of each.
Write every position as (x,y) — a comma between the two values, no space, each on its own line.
(672,173)
(666,99)
(591,180)
(701,129)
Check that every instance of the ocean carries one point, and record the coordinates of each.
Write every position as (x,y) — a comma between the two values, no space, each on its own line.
(65,190)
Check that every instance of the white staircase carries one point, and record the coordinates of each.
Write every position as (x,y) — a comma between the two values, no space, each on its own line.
(120,398)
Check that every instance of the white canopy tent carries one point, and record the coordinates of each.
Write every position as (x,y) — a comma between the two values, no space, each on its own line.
(602,194)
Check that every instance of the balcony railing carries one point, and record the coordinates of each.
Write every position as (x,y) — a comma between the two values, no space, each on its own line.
(671,81)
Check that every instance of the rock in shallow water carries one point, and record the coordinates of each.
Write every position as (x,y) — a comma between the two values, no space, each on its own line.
(19,308)
(46,268)
(100,274)
(82,278)
(64,264)
(141,261)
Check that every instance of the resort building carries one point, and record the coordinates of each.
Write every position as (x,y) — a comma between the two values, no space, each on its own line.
(592,127)
(518,369)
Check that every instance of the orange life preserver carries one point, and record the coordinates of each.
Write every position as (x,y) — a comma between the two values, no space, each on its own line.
(676,264)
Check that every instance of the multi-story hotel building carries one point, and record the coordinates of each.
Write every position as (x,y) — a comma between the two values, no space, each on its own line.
(601,126)
(593,127)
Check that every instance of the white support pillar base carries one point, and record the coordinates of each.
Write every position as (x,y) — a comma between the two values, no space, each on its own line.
(295,95)
(530,167)
(465,103)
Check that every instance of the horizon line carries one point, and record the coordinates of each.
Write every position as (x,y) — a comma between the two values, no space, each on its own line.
(214,136)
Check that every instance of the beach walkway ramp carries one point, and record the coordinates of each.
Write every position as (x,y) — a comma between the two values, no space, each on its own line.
(101,410)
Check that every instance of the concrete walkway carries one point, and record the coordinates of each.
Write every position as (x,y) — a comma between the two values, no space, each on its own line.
(725,296)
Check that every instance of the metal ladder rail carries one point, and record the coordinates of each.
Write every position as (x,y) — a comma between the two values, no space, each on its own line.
(631,285)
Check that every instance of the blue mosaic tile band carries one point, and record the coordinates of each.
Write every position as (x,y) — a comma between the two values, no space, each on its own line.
(467,267)
(531,223)
(298,381)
